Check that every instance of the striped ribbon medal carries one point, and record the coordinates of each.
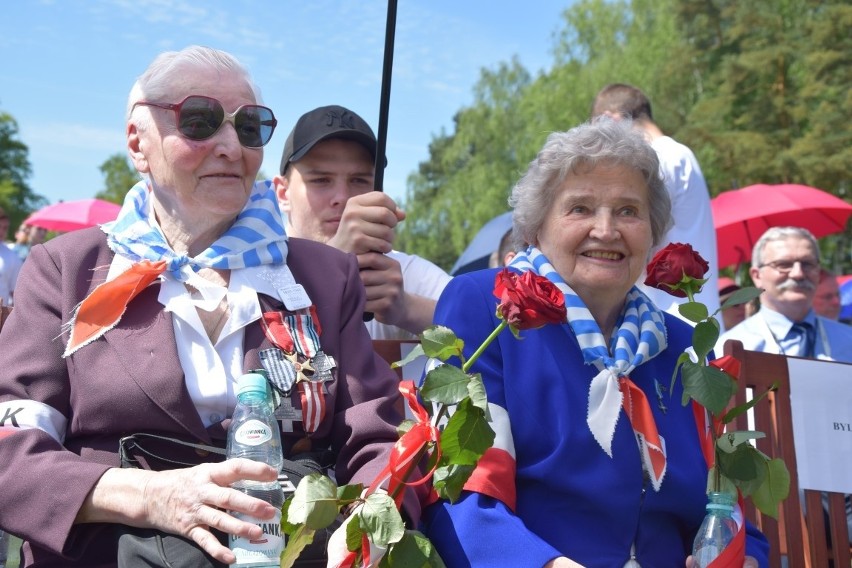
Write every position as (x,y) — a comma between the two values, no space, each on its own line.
(300,360)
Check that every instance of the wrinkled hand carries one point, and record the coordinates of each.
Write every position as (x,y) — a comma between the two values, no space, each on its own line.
(748,562)
(337,551)
(189,502)
(367,224)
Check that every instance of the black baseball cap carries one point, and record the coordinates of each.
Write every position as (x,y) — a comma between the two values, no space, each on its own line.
(322,123)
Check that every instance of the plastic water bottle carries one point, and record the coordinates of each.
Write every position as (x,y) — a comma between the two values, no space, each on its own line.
(717,530)
(254,435)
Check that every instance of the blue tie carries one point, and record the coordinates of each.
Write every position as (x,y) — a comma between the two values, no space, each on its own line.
(805,331)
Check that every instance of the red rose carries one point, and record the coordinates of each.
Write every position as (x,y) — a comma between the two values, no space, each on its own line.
(527,300)
(676,268)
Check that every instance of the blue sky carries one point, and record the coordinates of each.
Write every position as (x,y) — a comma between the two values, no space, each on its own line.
(66,67)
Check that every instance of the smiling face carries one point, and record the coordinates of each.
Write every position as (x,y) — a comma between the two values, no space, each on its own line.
(315,190)
(597,235)
(204,182)
(788,293)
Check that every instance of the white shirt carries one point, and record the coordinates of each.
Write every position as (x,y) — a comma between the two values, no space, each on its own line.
(419,276)
(693,221)
(211,370)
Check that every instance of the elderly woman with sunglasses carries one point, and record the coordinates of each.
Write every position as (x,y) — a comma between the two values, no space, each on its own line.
(145,324)
(573,479)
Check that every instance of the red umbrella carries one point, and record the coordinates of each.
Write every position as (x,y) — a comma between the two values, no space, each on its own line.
(741,216)
(73,215)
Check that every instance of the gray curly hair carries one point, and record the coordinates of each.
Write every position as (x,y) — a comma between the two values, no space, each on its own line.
(603,141)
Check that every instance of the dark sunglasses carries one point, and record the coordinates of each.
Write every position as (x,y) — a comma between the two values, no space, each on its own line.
(199,117)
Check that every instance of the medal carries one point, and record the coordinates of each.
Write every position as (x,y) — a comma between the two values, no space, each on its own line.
(297,359)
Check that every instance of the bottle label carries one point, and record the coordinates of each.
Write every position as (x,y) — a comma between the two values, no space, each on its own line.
(253,433)
(264,551)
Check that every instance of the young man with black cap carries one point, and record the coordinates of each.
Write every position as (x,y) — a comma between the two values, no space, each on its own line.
(325,188)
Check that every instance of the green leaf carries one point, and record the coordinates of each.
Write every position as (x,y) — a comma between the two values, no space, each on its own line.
(416,352)
(693,311)
(725,484)
(744,466)
(775,488)
(347,494)
(296,543)
(741,296)
(476,391)
(414,551)
(354,532)
(704,338)
(466,436)
(314,503)
(441,343)
(404,427)
(683,358)
(737,410)
(729,441)
(445,384)
(708,386)
(381,520)
(448,480)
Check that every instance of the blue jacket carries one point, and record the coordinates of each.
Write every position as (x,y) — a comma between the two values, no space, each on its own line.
(572,499)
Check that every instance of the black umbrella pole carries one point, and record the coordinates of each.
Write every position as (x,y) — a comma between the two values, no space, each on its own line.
(384,100)
(384,104)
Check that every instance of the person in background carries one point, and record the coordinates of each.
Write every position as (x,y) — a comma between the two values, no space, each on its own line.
(558,490)
(21,245)
(733,315)
(36,236)
(325,188)
(785,264)
(10,264)
(827,296)
(691,212)
(505,252)
(145,324)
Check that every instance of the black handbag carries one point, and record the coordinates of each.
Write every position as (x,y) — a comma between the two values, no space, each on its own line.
(154,548)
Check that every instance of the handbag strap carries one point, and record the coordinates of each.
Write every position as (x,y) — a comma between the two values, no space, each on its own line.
(295,467)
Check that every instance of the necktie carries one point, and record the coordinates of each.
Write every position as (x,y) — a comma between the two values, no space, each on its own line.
(805,331)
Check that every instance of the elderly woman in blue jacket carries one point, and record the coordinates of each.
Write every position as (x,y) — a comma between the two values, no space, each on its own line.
(575,478)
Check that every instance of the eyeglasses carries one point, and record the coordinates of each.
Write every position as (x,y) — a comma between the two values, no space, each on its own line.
(199,117)
(786,266)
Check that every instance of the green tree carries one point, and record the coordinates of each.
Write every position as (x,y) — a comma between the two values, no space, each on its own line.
(16,197)
(119,176)
(760,92)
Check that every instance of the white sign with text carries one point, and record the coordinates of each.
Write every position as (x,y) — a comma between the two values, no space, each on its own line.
(821,400)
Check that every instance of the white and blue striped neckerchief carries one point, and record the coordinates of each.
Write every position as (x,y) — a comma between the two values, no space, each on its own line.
(640,336)
(257,236)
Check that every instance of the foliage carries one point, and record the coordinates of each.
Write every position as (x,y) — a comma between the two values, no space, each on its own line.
(16,197)
(760,92)
(679,270)
(119,177)
(450,440)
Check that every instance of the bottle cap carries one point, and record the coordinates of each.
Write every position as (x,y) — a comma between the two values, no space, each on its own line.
(251,382)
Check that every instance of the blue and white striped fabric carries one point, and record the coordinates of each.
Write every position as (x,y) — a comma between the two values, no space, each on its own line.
(256,238)
(639,337)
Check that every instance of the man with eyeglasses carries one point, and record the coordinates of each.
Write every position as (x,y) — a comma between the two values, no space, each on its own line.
(785,264)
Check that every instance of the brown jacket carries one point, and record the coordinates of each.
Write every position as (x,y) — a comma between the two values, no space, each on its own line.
(130,380)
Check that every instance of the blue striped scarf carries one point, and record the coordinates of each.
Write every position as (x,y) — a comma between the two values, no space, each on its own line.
(256,238)
(639,337)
